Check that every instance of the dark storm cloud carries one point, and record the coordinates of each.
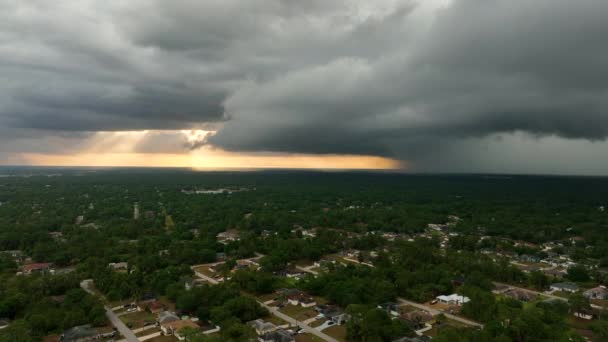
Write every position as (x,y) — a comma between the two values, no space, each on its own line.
(484,67)
(392,78)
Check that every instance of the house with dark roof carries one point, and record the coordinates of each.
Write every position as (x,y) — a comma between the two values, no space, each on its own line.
(166,317)
(418,318)
(390,308)
(277,336)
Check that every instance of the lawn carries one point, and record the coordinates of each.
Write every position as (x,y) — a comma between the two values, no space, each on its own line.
(298,312)
(163,339)
(318,322)
(337,331)
(137,319)
(276,320)
(308,338)
(147,332)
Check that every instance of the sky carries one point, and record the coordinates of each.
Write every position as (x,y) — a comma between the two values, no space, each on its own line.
(498,86)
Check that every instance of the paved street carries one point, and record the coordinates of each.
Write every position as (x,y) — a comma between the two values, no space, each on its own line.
(116,322)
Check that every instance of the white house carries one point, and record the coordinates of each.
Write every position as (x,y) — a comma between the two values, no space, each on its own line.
(454,299)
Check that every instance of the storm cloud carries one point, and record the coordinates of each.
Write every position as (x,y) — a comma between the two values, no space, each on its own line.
(426,82)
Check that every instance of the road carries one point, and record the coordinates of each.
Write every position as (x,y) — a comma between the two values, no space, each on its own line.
(276,312)
(307,269)
(433,311)
(548,295)
(436,312)
(116,322)
(306,328)
(205,278)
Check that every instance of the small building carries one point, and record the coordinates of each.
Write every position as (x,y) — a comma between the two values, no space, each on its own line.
(453,299)
(36,268)
(119,266)
(565,287)
(79,333)
(390,308)
(262,327)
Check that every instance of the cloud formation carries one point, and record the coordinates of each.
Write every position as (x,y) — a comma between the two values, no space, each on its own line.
(424,82)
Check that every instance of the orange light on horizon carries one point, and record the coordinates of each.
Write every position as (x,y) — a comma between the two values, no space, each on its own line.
(210,160)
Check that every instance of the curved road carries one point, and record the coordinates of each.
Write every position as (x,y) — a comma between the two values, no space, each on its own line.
(116,322)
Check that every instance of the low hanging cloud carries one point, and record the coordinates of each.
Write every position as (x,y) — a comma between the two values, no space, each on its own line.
(422,81)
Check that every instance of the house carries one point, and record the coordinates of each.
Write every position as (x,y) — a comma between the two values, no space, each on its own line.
(154,306)
(166,317)
(555,272)
(307,301)
(79,333)
(302,299)
(422,338)
(227,237)
(520,295)
(332,313)
(454,299)
(36,268)
(390,308)
(294,299)
(175,327)
(119,266)
(418,318)
(277,336)
(262,327)
(79,220)
(565,287)
(599,292)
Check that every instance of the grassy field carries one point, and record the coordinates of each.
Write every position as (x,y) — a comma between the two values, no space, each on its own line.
(337,331)
(137,319)
(275,320)
(147,332)
(318,322)
(298,312)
